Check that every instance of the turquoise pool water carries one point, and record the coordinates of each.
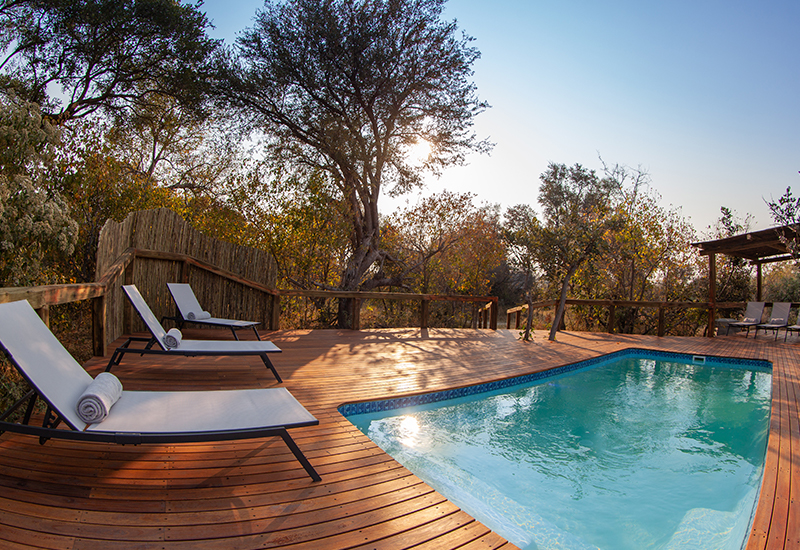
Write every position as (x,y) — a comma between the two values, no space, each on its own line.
(631,452)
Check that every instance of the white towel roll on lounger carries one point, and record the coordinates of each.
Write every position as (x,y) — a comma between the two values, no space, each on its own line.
(97,399)
(192,316)
(173,338)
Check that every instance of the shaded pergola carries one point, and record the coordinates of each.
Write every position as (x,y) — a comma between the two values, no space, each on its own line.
(758,247)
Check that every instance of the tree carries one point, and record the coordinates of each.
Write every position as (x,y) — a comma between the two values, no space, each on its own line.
(786,212)
(431,239)
(98,184)
(646,251)
(102,54)
(734,274)
(347,87)
(35,222)
(578,213)
(520,232)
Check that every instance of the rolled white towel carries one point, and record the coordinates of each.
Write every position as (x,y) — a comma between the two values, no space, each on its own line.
(173,338)
(97,399)
(192,316)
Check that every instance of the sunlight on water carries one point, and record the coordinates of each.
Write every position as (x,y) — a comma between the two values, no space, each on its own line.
(631,455)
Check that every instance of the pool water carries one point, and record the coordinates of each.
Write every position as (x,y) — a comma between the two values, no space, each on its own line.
(628,454)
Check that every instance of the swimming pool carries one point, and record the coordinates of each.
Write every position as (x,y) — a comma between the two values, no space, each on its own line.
(633,450)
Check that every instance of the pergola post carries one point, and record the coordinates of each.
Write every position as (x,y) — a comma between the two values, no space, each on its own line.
(712,294)
(758,282)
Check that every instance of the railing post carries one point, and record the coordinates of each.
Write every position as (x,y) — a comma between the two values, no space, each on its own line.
(612,310)
(356,314)
(493,311)
(185,267)
(424,309)
(127,309)
(275,314)
(99,307)
(44,314)
(661,321)
(518,318)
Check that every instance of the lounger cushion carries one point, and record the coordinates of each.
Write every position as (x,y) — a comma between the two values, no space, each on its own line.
(207,411)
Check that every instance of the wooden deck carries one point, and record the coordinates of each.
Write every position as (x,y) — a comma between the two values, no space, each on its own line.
(253,494)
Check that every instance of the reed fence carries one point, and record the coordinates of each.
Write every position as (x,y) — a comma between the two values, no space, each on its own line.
(154,247)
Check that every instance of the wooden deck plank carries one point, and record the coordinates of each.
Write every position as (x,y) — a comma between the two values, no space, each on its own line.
(250,494)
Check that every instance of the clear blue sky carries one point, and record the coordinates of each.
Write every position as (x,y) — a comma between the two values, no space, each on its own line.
(702,94)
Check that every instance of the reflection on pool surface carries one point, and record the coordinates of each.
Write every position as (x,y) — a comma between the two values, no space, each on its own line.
(632,452)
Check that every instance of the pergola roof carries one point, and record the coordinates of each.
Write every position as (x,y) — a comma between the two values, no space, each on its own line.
(759,247)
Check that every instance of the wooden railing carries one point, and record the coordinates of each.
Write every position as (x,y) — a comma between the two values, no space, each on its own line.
(123,271)
(516,312)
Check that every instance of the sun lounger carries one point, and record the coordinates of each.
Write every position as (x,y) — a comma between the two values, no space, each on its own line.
(190,311)
(752,317)
(778,318)
(790,328)
(162,417)
(158,343)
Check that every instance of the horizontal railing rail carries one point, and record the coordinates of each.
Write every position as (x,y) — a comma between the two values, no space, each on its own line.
(43,297)
(515,314)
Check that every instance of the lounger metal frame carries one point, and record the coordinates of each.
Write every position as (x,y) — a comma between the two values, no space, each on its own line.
(149,348)
(234,325)
(50,430)
(154,346)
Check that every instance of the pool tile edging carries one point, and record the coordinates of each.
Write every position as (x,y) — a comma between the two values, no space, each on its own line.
(349,409)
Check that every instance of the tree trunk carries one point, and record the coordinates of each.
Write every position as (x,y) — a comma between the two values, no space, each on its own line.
(529,321)
(562,303)
(526,337)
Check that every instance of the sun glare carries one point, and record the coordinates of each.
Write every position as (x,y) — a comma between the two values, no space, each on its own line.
(419,151)
(409,429)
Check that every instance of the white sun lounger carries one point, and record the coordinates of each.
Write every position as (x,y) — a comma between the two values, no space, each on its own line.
(192,312)
(188,348)
(138,416)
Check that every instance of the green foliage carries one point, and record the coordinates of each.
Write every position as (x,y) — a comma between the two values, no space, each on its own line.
(442,245)
(782,283)
(103,54)
(35,223)
(12,388)
(786,212)
(734,275)
(578,214)
(647,258)
(98,186)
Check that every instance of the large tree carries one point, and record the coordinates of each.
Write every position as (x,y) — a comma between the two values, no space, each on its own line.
(521,232)
(578,214)
(74,57)
(349,87)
